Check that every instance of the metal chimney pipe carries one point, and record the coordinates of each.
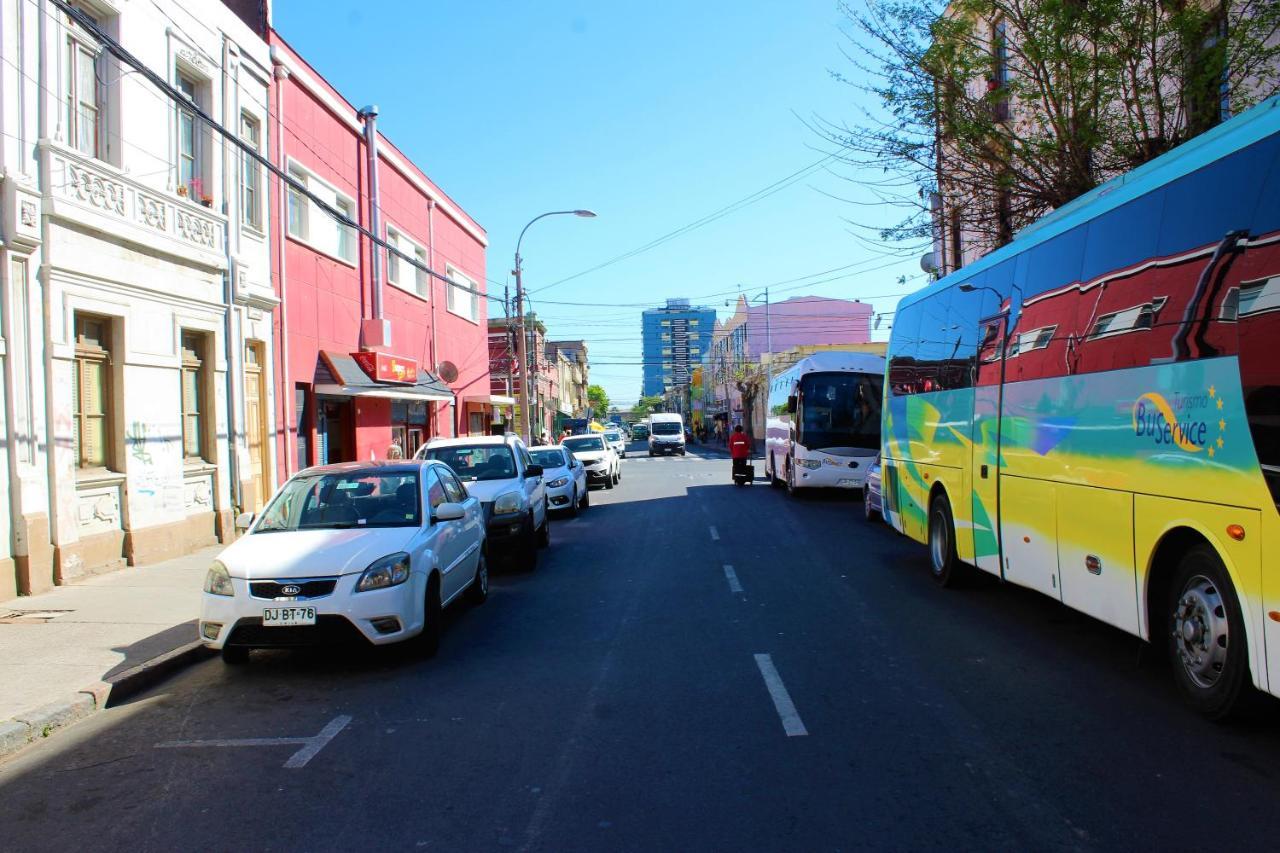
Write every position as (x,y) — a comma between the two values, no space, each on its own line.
(381,334)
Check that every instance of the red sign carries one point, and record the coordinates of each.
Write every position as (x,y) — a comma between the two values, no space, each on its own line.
(382,367)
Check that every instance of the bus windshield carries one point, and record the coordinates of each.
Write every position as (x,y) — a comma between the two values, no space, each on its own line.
(840,410)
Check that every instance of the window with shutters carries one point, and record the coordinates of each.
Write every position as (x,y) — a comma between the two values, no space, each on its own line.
(193,397)
(86,90)
(91,387)
(250,173)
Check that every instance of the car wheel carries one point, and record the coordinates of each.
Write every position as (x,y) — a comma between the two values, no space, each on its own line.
(544,534)
(943,563)
(235,655)
(1206,639)
(527,555)
(428,641)
(575,504)
(478,592)
(608,482)
(586,498)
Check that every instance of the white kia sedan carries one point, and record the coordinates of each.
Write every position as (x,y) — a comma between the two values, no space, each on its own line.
(371,551)
(565,477)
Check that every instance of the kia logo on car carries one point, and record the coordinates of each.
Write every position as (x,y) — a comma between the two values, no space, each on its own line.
(290,589)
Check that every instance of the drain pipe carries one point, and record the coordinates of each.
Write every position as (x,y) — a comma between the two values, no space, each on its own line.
(285,386)
(229,338)
(431,261)
(376,331)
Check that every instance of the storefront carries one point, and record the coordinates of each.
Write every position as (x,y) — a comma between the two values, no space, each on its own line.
(487,414)
(361,404)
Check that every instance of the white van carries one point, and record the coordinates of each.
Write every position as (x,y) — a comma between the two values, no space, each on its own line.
(666,433)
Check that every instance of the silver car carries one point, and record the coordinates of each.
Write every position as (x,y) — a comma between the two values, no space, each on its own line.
(617,441)
(564,476)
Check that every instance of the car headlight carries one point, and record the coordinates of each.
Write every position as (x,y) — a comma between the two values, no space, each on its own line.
(558,482)
(811,464)
(510,502)
(218,580)
(391,570)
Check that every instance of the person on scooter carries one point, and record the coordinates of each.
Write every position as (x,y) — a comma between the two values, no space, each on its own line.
(739,448)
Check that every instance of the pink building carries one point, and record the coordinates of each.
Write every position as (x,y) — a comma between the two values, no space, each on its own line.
(803,321)
(355,386)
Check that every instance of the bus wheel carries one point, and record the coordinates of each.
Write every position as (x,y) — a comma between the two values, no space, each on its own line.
(771,469)
(1206,634)
(943,562)
(791,480)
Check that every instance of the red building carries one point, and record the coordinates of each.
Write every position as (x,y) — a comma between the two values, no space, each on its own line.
(431,374)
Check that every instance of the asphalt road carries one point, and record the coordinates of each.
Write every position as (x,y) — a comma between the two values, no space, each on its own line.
(631,694)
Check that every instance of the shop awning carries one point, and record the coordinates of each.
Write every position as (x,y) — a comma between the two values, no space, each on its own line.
(338,375)
(490,400)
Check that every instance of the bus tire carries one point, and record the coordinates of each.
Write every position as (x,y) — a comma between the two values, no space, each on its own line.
(945,566)
(1205,634)
(772,470)
(792,491)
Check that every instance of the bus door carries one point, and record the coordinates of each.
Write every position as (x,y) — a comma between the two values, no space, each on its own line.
(985,439)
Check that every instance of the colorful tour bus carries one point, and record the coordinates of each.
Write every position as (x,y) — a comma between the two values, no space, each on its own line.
(822,427)
(1093,411)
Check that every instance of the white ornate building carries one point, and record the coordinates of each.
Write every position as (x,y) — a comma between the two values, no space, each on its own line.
(136,310)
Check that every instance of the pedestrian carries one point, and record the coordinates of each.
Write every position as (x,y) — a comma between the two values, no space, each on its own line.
(545,438)
(564,434)
(739,448)
(395,451)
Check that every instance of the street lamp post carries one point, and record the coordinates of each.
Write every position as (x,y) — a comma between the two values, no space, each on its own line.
(522,346)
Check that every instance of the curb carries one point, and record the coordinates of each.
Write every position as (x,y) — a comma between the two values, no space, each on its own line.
(27,728)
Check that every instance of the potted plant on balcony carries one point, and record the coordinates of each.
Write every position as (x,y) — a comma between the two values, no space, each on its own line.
(182,190)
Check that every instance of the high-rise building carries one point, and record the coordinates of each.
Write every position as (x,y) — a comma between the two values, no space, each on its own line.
(674,339)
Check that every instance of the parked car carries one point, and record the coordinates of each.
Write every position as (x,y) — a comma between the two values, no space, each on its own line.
(639,432)
(498,470)
(872,500)
(369,551)
(565,477)
(617,441)
(602,463)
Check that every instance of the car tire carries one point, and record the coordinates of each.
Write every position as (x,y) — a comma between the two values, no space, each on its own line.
(235,655)
(867,512)
(428,640)
(945,566)
(575,504)
(527,554)
(544,533)
(478,592)
(608,482)
(1211,670)
(586,498)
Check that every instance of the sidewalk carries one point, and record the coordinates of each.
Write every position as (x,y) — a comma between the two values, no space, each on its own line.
(67,652)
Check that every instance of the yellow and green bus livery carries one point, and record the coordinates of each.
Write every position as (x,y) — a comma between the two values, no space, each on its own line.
(1093,411)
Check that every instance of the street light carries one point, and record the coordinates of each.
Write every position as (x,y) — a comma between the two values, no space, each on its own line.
(521,344)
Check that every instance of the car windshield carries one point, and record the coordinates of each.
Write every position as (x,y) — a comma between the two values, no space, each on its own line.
(349,499)
(666,428)
(582,443)
(548,458)
(613,436)
(478,462)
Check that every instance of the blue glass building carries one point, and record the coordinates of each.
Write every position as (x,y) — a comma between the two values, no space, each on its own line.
(675,338)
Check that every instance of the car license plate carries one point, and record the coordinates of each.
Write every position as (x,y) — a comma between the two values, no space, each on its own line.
(286,617)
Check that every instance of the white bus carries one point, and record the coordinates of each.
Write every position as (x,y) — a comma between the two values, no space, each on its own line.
(822,427)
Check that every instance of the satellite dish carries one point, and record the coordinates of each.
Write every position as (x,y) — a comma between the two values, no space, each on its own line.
(448,371)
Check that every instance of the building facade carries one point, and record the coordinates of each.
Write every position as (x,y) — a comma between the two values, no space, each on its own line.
(137,361)
(674,339)
(375,351)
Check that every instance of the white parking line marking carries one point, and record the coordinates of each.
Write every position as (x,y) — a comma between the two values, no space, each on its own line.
(310,745)
(791,723)
(715,534)
(732,577)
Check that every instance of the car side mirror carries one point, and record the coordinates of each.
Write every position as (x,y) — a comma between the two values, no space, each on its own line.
(244,520)
(791,405)
(533,471)
(449,511)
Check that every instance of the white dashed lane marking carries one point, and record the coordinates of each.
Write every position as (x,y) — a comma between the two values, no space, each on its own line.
(791,722)
(732,577)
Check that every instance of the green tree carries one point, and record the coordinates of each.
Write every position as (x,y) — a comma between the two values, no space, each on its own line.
(646,406)
(1008,109)
(598,400)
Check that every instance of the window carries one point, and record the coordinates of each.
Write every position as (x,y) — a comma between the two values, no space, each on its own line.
(315,224)
(694,322)
(452,488)
(190,144)
(297,205)
(666,322)
(462,299)
(250,173)
(91,381)
(393,260)
(423,277)
(86,91)
(346,237)
(435,490)
(193,397)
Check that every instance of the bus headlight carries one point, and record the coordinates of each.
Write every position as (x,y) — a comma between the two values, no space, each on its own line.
(811,464)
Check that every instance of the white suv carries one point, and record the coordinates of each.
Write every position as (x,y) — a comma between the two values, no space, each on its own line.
(499,471)
(594,452)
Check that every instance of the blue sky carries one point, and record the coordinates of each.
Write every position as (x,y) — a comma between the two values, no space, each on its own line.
(654,115)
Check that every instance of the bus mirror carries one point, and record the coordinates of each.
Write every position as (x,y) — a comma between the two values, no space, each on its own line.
(791,404)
